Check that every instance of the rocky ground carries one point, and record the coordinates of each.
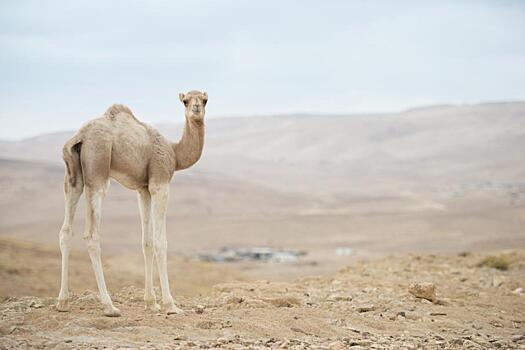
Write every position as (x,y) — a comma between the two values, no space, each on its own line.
(479,303)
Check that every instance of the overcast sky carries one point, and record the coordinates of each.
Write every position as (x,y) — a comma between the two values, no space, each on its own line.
(63,62)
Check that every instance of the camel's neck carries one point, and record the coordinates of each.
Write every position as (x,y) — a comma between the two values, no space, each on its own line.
(189,149)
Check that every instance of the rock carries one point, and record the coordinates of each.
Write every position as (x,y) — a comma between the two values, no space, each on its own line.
(443,302)
(234,300)
(284,302)
(365,308)
(413,316)
(336,345)
(222,340)
(518,337)
(497,280)
(424,290)
(339,297)
(7,329)
(298,330)
(36,304)
(199,309)
(518,291)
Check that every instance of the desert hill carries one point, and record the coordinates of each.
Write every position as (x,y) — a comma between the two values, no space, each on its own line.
(436,179)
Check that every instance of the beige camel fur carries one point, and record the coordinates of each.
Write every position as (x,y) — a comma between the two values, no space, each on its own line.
(119,146)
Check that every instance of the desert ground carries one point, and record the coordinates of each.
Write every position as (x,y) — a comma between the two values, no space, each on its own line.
(424,195)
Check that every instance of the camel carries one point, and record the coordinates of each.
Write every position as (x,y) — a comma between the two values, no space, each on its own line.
(119,146)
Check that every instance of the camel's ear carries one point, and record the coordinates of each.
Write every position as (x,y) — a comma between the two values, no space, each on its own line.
(181,97)
(205,98)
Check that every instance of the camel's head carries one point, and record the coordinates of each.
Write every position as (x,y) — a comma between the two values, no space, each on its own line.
(194,104)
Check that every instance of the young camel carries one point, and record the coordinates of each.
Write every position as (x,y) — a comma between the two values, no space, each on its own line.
(119,146)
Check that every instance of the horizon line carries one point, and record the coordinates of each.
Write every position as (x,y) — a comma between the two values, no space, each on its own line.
(311,113)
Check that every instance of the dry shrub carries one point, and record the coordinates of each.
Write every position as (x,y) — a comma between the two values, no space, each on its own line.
(500,262)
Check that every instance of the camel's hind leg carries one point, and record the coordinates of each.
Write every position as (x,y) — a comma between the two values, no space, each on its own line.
(72,194)
(144,199)
(94,196)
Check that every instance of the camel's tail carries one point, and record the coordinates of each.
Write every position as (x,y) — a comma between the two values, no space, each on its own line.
(71,156)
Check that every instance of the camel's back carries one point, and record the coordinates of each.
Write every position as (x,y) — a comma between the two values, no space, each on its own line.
(129,141)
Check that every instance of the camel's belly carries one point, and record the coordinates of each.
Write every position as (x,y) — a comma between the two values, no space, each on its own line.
(131,182)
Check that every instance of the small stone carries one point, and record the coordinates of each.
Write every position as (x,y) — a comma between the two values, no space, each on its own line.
(424,290)
(443,302)
(339,297)
(518,337)
(413,317)
(497,281)
(199,309)
(496,324)
(518,291)
(234,300)
(298,330)
(36,304)
(222,340)
(365,308)
(336,345)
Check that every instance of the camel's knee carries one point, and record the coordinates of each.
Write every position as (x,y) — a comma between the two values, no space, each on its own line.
(159,193)
(160,246)
(73,191)
(65,237)
(147,245)
(93,246)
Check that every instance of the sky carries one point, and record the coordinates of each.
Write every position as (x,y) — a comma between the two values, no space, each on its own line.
(64,62)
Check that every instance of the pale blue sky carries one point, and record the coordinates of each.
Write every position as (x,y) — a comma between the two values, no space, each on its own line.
(63,62)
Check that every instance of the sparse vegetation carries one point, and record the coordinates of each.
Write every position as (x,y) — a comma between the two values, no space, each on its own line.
(501,262)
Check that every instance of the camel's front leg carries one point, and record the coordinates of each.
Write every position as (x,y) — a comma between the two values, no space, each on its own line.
(144,198)
(92,237)
(159,205)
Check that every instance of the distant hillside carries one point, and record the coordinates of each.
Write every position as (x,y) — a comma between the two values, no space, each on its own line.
(440,178)
(438,145)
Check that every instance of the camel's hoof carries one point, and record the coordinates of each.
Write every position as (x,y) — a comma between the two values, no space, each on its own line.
(152,306)
(111,311)
(172,309)
(63,305)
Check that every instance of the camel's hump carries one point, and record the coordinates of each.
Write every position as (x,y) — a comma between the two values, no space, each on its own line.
(116,109)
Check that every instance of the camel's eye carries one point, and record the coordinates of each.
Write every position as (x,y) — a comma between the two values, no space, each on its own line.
(185,103)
